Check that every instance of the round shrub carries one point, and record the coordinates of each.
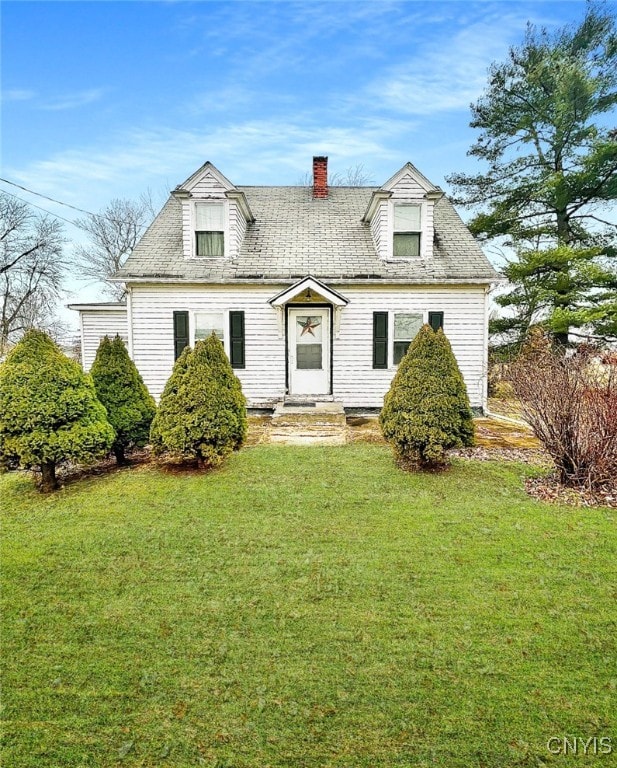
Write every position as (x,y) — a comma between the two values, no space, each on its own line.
(130,407)
(426,410)
(202,413)
(49,412)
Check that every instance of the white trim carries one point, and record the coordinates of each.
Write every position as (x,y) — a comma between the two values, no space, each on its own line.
(205,311)
(419,178)
(485,350)
(240,199)
(329,295)
(82,337)
(342,280)
(376,199)
(308,381)
(391,364)
(390,236)
(129,318)
(206,169)
(104,307)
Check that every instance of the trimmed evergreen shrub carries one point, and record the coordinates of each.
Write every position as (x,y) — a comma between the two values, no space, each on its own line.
(49,412)
(426,411)
(202,413)
(130,407)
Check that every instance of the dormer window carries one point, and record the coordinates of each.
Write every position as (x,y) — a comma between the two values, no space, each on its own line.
(210,229)
(407,231)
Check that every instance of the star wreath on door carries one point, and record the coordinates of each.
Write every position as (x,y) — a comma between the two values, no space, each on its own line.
(308,325)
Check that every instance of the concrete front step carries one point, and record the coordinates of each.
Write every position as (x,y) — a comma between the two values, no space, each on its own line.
(320,423)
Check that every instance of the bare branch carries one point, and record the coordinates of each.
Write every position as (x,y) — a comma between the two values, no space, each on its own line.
(112,234)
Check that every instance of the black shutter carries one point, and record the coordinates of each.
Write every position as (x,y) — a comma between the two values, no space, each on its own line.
(236,339)
(435,320)
(380,339)
(181,332)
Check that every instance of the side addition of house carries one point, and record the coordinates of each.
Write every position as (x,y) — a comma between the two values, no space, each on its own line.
(315,292)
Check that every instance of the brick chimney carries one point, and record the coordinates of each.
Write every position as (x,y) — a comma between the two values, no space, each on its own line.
(320,177)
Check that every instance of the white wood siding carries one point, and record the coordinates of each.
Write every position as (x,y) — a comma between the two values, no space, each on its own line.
(237,228)
(95,324)
(355,382)
(379,229)
(263,379)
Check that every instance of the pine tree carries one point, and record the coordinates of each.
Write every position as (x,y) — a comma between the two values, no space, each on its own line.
(49,412)
(202,412)
(426,410)
(551,171)
(130,407)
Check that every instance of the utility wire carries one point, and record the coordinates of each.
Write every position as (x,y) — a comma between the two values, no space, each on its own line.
(66,205)
(55,215)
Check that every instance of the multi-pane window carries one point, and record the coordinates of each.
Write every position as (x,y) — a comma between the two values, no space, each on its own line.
(406,326)
(407,228)
(208,322)
(209,229)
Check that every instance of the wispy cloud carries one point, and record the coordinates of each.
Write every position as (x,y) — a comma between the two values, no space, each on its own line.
(447,74)
(251,152)
(18,94)
(74,100)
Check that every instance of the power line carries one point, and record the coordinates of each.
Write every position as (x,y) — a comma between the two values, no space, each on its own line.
(66,205)
(34,205)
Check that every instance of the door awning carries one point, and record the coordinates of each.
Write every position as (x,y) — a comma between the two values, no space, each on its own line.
(314,287)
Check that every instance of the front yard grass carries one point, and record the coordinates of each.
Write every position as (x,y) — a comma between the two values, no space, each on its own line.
(305,607)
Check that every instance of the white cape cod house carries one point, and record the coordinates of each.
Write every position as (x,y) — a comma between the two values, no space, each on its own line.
(315,292)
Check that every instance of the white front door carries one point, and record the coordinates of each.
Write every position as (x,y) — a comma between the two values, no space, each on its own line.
(308,350)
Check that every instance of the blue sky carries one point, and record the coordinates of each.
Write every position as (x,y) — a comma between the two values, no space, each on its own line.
(109,99)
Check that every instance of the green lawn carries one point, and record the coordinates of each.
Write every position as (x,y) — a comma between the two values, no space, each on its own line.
(305,607)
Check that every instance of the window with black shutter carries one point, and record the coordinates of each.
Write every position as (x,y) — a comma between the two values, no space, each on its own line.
(380,339)
(181,332)
(236,339)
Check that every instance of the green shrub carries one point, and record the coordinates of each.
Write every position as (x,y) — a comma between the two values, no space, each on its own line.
(202,413)
(426,411)
(130,407)
(49,412)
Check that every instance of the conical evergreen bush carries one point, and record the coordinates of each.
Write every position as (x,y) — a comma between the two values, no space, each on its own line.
(426,411)
(49,412)
(202,412)
(119,386)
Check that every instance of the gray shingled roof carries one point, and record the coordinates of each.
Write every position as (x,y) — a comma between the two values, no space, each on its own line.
(294,235)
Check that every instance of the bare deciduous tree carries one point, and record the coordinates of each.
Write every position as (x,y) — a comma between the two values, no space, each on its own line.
(112,235)
(571,405)
(32,266)
(354,176)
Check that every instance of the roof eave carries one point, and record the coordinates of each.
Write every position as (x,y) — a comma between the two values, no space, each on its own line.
(376,198)
(103,306)
(240,199)
(339,280)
